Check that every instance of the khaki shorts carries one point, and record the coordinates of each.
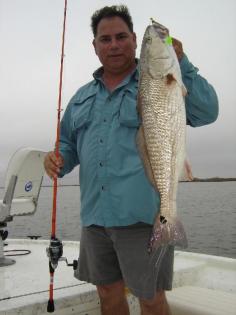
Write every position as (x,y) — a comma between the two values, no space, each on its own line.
(108,255)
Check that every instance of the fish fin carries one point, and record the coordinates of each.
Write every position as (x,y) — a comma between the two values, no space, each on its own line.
(177,76)
(144,155)
(184,90)
(169,78)
(169,231)
(186,173)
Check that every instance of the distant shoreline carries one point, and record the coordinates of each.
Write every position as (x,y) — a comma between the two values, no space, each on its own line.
(213,179)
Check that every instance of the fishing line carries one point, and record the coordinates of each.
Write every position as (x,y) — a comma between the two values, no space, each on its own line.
(55,249)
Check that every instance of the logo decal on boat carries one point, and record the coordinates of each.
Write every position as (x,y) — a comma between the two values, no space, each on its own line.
(28,186)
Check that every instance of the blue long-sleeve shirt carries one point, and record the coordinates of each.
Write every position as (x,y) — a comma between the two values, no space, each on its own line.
(98,131)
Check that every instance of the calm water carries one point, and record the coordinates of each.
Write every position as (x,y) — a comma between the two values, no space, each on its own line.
(208,211)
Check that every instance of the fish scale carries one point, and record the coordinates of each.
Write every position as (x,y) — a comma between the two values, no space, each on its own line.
(161,137)
(160,156)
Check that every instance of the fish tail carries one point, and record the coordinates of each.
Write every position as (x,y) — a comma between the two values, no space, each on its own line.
(169,231)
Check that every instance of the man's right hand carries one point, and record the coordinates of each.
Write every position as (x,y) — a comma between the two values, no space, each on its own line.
(52,164)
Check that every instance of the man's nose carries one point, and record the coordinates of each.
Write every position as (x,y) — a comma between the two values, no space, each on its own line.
(114,43)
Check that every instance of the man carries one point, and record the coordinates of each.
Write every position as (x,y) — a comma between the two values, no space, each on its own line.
(118,204)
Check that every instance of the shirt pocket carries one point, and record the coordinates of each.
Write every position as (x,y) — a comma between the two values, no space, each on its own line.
(82,116)
(124,145)
(128,113)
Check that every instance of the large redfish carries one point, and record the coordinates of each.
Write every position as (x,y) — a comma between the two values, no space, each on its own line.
(161,137)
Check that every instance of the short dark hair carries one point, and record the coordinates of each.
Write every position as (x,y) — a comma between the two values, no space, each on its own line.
(112,11)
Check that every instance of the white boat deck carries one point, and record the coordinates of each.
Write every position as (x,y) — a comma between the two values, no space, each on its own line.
(24,285)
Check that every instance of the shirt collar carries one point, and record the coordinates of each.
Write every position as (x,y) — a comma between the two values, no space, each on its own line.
(135,74)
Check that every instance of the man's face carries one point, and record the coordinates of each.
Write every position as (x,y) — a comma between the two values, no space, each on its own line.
(115,45)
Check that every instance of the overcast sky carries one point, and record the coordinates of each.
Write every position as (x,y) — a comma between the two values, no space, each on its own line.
(30,44)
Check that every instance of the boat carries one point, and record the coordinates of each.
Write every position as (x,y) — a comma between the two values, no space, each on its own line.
(202,284)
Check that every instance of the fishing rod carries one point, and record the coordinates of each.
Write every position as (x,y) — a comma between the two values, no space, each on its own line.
(55,249)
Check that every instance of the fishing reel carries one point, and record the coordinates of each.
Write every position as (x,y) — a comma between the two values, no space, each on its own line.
(55,252)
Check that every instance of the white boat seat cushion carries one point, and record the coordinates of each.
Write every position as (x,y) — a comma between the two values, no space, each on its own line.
(188,300)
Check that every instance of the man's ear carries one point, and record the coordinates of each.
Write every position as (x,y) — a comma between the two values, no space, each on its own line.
(94,45)
(135,39)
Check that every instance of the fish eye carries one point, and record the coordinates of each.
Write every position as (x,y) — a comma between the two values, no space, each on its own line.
(148,39)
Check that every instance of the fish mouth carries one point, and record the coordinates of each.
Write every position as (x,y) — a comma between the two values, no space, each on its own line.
(162,58)
(162,30)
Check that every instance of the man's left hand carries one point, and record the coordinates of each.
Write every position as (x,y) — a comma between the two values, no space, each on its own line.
(178,47)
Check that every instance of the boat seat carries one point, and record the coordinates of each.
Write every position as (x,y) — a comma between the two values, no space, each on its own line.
(189,300)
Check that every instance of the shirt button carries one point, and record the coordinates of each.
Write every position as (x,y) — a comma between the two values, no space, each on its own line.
(101,164)
(101,141)
(104,120)
(103,188)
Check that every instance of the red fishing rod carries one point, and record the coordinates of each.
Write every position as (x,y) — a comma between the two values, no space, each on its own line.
(55,249)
